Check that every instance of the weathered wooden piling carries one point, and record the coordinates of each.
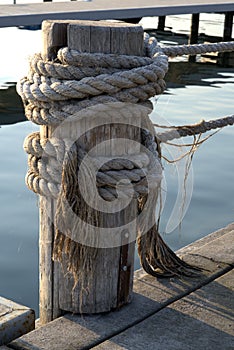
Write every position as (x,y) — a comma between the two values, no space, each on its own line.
(226,59)
(110,285)
(228,24)
(161,23)
(193,39)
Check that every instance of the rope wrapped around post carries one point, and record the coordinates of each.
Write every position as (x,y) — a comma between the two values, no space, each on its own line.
(82,84)
(53,91)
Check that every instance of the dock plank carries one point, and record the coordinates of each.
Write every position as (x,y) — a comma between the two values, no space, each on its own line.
(151,295)
(15,320)
(204,319)
(33,14)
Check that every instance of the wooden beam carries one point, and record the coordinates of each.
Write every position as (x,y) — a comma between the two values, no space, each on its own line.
(161,23)
(228,24)
(15,320)
(110,283)
(226,59)
(33,14)
(193,39)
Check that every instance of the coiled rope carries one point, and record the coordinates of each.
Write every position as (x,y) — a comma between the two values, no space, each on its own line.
(50,93)
(83,84)
(45,177)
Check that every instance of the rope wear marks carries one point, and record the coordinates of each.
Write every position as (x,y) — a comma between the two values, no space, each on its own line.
(82,85)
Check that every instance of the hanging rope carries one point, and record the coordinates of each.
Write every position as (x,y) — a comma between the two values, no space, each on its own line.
(85,85)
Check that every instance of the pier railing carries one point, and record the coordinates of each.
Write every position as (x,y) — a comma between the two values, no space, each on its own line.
(35,13)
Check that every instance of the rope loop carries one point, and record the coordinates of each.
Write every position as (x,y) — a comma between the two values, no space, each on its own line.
(84,79)
(77,86)
(46,158)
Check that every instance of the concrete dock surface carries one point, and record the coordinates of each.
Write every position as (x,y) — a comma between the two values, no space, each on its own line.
(166,314)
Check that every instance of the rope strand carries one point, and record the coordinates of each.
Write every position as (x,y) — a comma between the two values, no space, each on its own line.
(195,49)
(193,129)
(80,85)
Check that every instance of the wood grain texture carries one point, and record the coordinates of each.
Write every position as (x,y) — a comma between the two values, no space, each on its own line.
(57,292)
(48,269)
(156,297)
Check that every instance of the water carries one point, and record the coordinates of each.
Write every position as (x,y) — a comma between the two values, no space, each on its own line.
(195,92)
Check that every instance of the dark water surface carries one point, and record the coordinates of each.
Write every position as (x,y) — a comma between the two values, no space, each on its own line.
(194,92)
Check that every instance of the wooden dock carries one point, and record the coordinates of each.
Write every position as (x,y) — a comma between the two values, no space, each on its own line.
(15,320)
(167,314)
(34,14)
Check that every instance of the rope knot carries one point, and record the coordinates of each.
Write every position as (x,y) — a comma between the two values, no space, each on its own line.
(79,86)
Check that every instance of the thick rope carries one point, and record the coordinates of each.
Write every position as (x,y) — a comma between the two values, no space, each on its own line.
(73,57)
(195,49)
(81,85)
(48,81)
(47,89)
(44,177)
(193,129)
(57,148)
(50,93)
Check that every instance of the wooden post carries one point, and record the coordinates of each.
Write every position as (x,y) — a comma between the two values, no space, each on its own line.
(226,59)
(161,23)
(110,285)
(228,24)
(193,39)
